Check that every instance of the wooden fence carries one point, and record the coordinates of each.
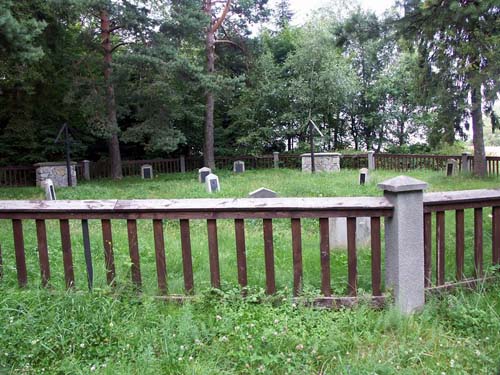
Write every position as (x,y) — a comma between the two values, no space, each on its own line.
(211,210)
(25,175)
(240,211)
(459,202)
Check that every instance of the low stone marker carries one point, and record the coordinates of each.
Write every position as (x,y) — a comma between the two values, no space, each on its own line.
(57,172)
(465,162)
(50,191)
(203,173)
(363,176)
(451,167)
(147,172)
(239,166)
(263,193)
(212,183)
(338,232)
(323,162)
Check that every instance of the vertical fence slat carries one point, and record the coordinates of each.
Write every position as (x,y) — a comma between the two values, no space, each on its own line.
(324,246)
(459,243)
(133,249)
(107,239)
(1,263)
(69,275)
(161,266)
(17,227)
(43,254)
(427,249)
(440,247)
(297,256)
(239,229)
(376,256)
(478,242)
(269,256)
(352,261)
(213,253)
(87,253)
(187,262)
(496,235)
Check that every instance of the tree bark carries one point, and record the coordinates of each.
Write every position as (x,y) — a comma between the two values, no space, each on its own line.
(208,147)
(112,123)
(477,129)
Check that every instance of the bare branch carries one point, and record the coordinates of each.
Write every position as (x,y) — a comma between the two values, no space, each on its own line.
(118,46)
(222,16)
(227,41)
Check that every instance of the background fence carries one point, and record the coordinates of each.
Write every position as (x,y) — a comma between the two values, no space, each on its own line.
(25,175)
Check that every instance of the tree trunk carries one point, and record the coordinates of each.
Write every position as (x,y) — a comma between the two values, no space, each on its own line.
(477,129)
(112,123)
(208,145)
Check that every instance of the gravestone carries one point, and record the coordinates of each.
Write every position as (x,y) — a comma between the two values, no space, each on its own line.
(147,172)
(50,191)
(203,173)
(451,167)
(338,232)
(263,193)
(323,162)
(239,166)
(363,176)
(212,183)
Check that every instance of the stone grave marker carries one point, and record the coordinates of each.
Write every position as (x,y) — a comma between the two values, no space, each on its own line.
(50,191)
(203,173)
(338,232)
(239,166)
(212,183)
(451,167)
(263,193)
(147,172)
(55,171)
(323,161)
(363,176)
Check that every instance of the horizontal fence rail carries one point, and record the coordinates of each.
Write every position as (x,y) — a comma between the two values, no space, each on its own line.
(474,203)
(210,210)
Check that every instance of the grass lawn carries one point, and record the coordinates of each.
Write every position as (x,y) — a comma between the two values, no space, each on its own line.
(79,332)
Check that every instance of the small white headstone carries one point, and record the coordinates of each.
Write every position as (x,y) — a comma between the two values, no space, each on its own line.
(147,172)
(363,176)
(203,173)
(451,167)
(212,183)
(239,166)
(263,193)
(50,191)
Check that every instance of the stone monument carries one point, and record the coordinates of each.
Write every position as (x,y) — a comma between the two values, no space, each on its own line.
(50,191)
(147,172)
(55,171)
(203,173)
(363,176)
(263,193)
(338,232)
(323,162)
(212,183)
(451,167)
(239,166)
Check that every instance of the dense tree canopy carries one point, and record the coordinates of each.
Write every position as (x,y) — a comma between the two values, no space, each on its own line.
(142,79)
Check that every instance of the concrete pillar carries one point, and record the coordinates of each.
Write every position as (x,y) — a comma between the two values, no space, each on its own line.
(276,159)
(86,170)
(371,159)
(404,241)
(183,163)
(465,162)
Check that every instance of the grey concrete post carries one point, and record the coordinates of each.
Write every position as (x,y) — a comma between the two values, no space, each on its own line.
(371,159)
(276,159)
(86,170)
(404,241)
(183,163)
(465,162)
